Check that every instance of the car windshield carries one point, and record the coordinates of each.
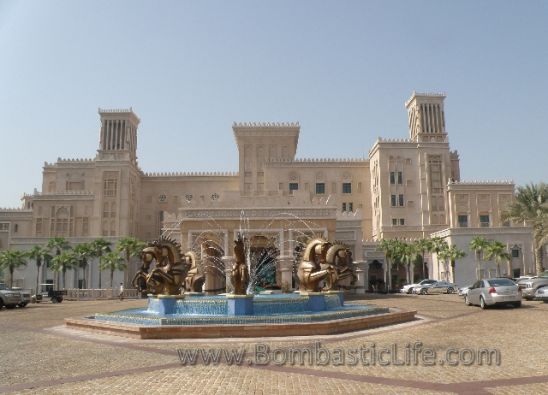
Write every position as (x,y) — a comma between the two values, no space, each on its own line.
(501,282)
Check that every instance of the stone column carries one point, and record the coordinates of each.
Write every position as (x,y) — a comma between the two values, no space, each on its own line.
(228,262)
(362,274)
(285,268)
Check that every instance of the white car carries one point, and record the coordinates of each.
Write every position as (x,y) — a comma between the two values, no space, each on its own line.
(408,288)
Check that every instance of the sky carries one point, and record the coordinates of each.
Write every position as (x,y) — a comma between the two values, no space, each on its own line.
(343,69)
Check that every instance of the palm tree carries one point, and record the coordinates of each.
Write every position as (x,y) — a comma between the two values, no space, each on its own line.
(478,244)
(389,247)
(438,246)
(39,254)
(83,252)
(424,246)
(112,261)
(530,207)
(62,262)
(497,251)
(11,260)
(408,253)
(452,254)
(130,247)
(57,245)
(100,247)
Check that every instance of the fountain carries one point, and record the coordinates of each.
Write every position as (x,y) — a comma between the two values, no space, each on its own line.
(176,307)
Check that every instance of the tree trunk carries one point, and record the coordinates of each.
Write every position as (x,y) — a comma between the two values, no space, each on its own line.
(478,268)
(37,278)
(509,268)
(99,268)
(412,272)
(389,283)
(423,266)
(538,260)
(111,277)
(453,271)
(11,277)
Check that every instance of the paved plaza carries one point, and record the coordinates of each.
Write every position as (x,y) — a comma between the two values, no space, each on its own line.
(40,355)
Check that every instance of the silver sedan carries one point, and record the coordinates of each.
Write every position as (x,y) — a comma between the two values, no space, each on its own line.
(542,293)
(493,291)
(442,287)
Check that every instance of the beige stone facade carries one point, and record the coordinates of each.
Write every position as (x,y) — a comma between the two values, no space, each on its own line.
(408,188)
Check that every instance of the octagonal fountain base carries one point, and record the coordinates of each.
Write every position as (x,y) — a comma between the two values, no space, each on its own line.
(261,316)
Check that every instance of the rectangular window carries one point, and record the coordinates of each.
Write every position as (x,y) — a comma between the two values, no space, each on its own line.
(392,178)
(350,207)
(344,207)
(393,201)
(400,199)
(402,221)
(484,220)
(463,221)
(320,188)
(394,222)
(4,226)
(400,178)
(346,187)
(38,226)
(293,186)
(515,253)
(109,187)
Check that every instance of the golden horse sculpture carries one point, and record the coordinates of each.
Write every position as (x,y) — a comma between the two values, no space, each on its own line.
(314,267)
(339,256)
(239,276)
(168,275)
(194,279)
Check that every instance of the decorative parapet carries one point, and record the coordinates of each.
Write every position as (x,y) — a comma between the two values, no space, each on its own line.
(14,210)
(503,230)
(192,174)
(316,161)
(255,213)
(389,140)
(480,182)
(70,161)
(61,193)
(266,125)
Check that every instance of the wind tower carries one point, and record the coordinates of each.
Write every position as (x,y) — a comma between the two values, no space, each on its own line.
(118,137)
(426,117)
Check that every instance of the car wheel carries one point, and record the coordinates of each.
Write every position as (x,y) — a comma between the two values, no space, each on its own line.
(424,291)
(482,303)
(517,304)
(410,291)
(10,306)
(467,301)
(23,304)
(450,290)
(1,304)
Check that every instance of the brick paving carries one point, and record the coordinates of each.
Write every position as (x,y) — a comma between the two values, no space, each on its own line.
(40,355)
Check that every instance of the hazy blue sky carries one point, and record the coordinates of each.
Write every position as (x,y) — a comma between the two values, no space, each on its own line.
(343,69)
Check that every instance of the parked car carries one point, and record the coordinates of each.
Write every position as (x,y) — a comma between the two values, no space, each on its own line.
(463,291)
(542,293)
(529,287)
(435,287)
(9,297)
(408,288)
(56,296)
(25,296)
(492,291)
